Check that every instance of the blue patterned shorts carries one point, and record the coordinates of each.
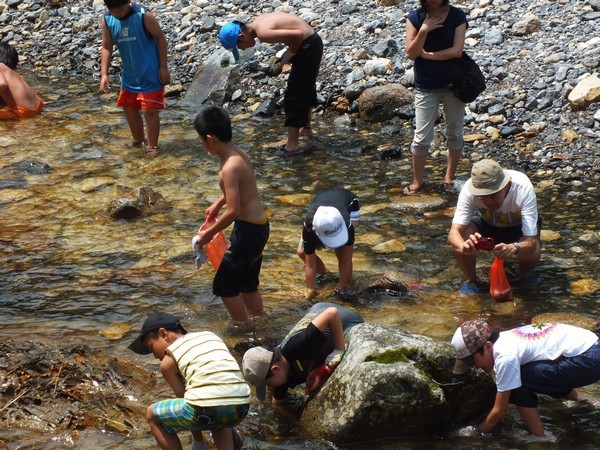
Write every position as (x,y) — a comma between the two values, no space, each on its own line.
(176,415)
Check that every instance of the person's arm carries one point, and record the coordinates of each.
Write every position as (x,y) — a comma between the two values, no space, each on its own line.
(105,56)
(330,318)
(5,92)
(527,245)
(170,372)
(497,413)
(213,210)
(154,29)
(415,39)
(459,244)
(344,257)
(458,46)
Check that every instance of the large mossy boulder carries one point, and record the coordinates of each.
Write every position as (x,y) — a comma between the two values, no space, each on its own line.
(391,384)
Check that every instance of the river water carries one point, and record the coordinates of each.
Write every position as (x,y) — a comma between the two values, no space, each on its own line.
(69,273)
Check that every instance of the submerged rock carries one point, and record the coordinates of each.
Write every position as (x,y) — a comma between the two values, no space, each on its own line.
(137,202)
(391,384)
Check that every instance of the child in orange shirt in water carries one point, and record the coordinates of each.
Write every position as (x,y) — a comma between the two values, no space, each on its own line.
(17,98)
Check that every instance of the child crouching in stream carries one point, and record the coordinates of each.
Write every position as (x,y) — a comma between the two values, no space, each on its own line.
(210,389)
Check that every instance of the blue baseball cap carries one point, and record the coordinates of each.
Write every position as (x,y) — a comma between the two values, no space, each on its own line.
(228,35)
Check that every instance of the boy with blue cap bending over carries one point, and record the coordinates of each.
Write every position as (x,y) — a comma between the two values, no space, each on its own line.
(304,52)
(206,379)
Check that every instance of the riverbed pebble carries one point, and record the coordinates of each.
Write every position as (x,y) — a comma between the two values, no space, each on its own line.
(534,55)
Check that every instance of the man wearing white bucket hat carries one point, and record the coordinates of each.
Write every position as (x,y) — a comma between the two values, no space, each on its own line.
(328,223)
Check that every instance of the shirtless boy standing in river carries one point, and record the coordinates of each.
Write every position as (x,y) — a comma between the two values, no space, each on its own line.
(236,281)
(304,52)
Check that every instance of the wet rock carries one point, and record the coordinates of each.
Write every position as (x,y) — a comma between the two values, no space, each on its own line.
(380,103)
(389,284)
(50,388)
(139,201)
(419,202)
(35,167)
(391,152)
(392,383)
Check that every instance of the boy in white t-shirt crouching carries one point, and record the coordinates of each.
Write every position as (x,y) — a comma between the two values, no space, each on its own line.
(551,359)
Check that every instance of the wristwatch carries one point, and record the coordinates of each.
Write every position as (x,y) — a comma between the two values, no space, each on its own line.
(517,246)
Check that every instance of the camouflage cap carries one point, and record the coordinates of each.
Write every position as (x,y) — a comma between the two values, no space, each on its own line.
(467,339)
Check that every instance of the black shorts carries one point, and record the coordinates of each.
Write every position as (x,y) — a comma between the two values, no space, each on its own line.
(504,235)
(241,263)
(301,91)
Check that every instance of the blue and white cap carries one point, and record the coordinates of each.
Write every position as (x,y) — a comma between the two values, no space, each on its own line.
(229,34)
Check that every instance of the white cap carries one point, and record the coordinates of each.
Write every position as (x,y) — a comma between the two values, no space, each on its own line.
(330,227)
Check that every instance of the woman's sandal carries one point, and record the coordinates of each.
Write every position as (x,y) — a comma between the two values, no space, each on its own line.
(137,144)
(153,151)
(410,190)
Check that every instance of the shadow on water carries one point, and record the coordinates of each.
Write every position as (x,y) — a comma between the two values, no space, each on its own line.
(68,271)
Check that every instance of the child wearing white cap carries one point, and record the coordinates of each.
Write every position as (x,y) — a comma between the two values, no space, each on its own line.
(551,359)
(329,223)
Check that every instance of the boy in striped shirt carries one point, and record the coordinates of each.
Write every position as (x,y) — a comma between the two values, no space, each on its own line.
(207,380)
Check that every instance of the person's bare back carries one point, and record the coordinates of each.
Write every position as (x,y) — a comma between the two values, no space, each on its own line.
(236,178)
(14,90)
(281,27)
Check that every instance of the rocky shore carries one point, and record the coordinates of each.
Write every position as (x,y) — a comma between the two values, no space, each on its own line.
(534,54)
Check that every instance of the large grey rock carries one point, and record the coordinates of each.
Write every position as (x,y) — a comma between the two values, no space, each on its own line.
(380,103)
(215,80)
(392,383)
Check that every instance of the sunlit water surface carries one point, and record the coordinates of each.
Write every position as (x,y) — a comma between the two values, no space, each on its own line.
(69,272)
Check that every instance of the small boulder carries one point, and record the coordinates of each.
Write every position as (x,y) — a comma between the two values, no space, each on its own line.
(585,93)
(380,103)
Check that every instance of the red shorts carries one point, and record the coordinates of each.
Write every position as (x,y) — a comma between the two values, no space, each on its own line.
(147,100)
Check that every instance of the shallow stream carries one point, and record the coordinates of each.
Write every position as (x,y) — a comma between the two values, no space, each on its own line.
(69,273)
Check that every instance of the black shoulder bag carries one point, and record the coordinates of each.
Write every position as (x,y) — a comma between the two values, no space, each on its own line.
(466,79)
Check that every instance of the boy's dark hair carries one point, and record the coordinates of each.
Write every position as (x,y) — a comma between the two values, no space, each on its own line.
(214,120)
(110,4)
(9,55)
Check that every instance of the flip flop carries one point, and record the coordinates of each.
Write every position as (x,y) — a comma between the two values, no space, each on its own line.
(281,151)
(408,190)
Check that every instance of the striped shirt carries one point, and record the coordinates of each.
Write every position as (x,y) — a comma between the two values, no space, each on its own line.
(212,376)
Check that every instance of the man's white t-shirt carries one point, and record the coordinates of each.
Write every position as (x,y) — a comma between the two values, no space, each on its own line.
(536,342)
(519,206)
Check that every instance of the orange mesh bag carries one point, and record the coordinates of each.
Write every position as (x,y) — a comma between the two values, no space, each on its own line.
(500,289)
(216,248)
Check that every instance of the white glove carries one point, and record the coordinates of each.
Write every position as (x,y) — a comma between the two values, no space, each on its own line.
(334,358)
(200,257)
(284,56)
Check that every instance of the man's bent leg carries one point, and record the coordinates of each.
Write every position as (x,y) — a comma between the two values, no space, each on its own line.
(528,263)
(531,417)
